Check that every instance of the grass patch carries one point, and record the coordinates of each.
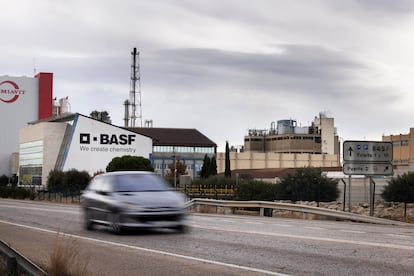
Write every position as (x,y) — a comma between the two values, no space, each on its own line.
(66,258)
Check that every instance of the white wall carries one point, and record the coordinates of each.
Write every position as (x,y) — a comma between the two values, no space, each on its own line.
(94,144)
(16,114)
(51,133)
(328,134)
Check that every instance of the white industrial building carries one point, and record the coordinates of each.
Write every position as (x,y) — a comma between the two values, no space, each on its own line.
(22,99)
(74,141)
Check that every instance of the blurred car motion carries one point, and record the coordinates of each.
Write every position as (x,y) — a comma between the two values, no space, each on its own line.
(132,199)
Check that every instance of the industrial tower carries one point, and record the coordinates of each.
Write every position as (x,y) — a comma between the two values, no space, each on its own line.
(133,108)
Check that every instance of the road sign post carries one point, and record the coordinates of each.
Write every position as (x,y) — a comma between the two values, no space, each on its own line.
(369,158)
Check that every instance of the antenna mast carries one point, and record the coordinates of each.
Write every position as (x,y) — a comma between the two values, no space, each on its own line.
(134,104)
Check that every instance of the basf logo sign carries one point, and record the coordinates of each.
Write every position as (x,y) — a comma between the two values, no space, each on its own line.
(94,144)
(107,142)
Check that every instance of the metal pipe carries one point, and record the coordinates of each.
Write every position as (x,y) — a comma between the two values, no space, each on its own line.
(349,195)
(372,197)
(344,201)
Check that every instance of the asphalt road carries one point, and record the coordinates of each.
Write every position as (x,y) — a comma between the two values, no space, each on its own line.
(216,244)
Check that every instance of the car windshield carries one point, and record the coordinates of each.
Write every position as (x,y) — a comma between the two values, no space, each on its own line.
(139,183)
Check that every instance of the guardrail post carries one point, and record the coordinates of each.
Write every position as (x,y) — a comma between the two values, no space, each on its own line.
(371,196)
(261,211)
(349,194)
(11,265)
(344,202)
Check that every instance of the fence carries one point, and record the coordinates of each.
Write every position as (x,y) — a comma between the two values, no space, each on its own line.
(208,191)
(64,197)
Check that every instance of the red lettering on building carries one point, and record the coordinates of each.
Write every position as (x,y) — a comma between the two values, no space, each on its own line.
(16,92)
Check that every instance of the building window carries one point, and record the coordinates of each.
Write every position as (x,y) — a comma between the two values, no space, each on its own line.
(31,153)
(31,162)
(400,143)
(182,149)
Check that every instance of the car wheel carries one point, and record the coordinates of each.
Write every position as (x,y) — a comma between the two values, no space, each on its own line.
(182,228)
(87,223)
(114,219)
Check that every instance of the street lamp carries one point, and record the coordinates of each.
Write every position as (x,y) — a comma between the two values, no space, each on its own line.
(175,173)
(175,170)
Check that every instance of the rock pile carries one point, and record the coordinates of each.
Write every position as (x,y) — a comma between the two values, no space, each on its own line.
(386,210)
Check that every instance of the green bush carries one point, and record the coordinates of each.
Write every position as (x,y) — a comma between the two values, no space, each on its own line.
(307,184)
(4,180)
(400,189)
(55,181)
(75,181)
(15,192)
(71,181)
(129,163)
(255,190)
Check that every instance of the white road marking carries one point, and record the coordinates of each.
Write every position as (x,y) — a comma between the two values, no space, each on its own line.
(314,228)
(398,236)
(252,269)
(254,222)
(375,244)
(39,209)
(352,231)
(281,225)
(228,220)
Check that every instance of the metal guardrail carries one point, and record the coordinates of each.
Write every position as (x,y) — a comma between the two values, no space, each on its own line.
(262,205)
(14,263)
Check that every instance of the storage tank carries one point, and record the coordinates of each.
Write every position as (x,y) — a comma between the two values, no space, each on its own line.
(64,105)
(286,126)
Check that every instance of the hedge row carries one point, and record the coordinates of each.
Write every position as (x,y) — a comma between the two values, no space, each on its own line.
(15,192)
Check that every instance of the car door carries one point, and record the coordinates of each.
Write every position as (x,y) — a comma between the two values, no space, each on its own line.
(103,198)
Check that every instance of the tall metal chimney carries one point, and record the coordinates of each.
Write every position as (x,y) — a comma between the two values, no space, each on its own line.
(133,108)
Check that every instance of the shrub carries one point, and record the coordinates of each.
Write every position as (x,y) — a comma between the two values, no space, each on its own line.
(400,189)
(70,181)
(4,180)
(75,181)
(129,163)
(307,184)
(55,181)
(15,192)
(255,190)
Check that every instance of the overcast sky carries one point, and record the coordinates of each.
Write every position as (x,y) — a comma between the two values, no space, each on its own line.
(224,67)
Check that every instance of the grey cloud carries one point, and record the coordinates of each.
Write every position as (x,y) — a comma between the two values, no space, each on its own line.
(301,80)
(298,68)
(397,7)
(322,59)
